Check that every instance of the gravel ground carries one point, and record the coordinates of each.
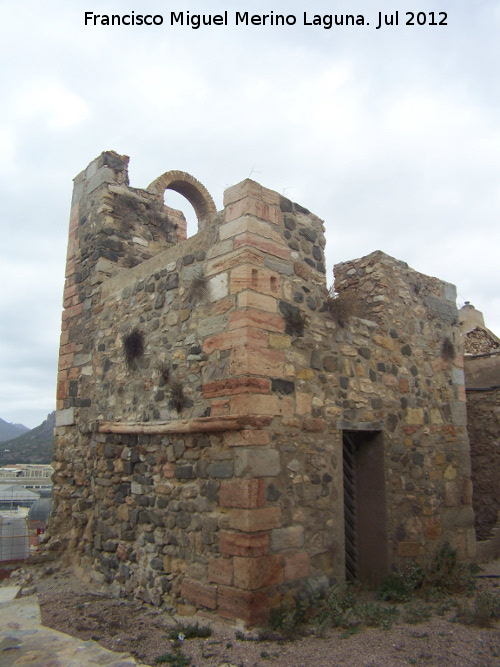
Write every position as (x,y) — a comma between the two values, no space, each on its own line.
(78,608)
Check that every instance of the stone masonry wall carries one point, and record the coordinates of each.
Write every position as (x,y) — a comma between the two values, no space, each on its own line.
(483,411)
(231,498)
(404,367)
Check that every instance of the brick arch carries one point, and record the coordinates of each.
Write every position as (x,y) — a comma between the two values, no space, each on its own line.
(187,186)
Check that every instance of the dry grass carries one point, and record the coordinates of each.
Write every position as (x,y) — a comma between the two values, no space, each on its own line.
(344,306)
(133,345)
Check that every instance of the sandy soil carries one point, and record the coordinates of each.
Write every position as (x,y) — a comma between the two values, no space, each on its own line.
(70,605)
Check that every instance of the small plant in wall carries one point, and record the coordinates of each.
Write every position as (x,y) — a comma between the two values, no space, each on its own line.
(342,306)
(133,345)
(163,369)
(447,350)
(295,319)
(177,396)
(295,323)
(198,289)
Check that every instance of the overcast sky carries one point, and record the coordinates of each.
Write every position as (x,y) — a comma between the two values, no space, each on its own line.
(392,136)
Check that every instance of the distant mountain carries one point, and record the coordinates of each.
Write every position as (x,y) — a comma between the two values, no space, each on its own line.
(9,431)
(33,446)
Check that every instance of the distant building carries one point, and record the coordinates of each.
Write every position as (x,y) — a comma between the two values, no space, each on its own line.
(29,475)
(13,496)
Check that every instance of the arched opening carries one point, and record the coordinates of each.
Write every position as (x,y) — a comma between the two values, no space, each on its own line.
(186,185)
(178,202)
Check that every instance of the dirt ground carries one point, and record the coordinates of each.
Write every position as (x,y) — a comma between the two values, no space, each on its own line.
(78,608)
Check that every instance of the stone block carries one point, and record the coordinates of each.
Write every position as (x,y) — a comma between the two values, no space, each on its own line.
(458,376)
(256,318)
(256,462)
(251,360)
(265,245)
(210,326)
(65,417)
(242,493)
(254,207)
(278,342)
(313,425)
(249,299)
(220,408)
(65,361)
(301,270)
(246,188)
(62,389)
(72,311)
(220,571)
(235,339)
(229,230)
(258,279)
(221,469)
(246,385)
(270,196)
(296,566)
(255,520)
(239,544)
(261,404)
(245,438)
(432,528)
(305,374)
(232,259)
(414,416)
(254,573)
(409,549)
(248,606)
(218,287)
(284,539)
(303,403)
(201,594)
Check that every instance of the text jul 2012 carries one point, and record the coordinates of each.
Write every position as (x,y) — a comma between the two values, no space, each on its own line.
(326,21)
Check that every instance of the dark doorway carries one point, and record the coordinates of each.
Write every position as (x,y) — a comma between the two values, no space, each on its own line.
(365,524)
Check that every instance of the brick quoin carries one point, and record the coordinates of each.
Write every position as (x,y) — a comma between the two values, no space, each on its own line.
(242,493)
(240,544)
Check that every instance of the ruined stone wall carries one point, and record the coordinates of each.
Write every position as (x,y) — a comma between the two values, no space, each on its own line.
(483,408)
(483,412)
(404,368)
(233,496)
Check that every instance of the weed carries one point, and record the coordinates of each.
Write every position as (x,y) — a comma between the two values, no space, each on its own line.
(376,615)
(485,609)
(295,323)
(177,397)
(444,574)
(198,289)
(402,584)
(164,371)
(447,350)
(418,613)
(176,659)
(133,345)
(285,623)
(351,630)
(189,631)
(343,306)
